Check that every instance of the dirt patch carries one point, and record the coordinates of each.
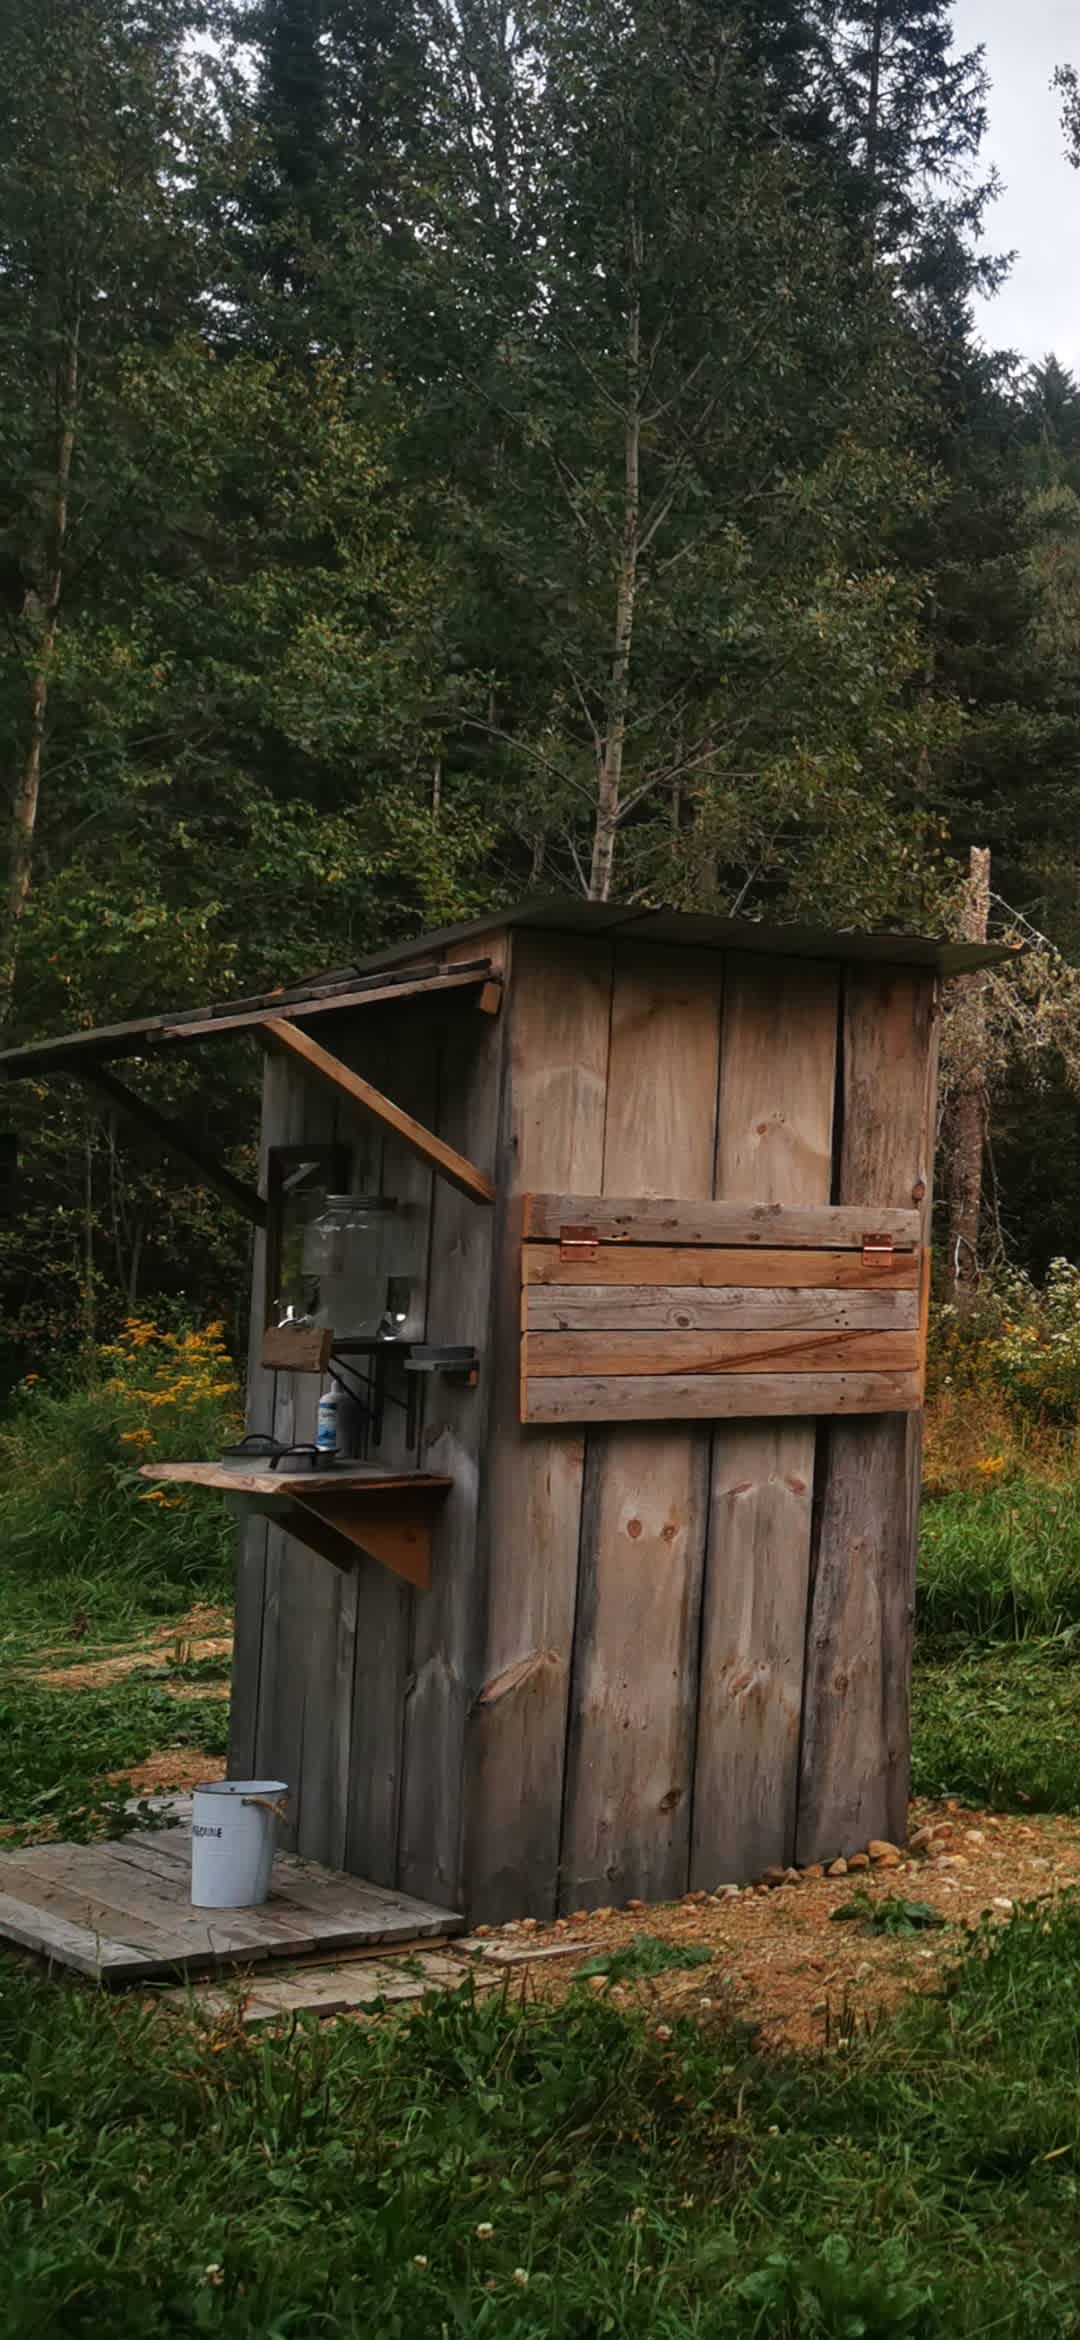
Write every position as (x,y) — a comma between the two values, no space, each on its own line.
(97,1673)
(173,1767)
(782,1962)
(184,1691)
(204,1621)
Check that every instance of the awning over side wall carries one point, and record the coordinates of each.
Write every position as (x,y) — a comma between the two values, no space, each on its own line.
(459,960)
(88,1056)
(341,989)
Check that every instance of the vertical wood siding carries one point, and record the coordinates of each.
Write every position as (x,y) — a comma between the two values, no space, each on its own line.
(251,1562)
(446,1620)
(774,1145)
(559,1011)
(651,1656)
(856,1723)
(634,1682)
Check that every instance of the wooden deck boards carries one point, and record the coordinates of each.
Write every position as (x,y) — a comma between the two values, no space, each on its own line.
(121,1912)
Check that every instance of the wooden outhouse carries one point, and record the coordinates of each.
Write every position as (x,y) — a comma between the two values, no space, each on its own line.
(608,1592)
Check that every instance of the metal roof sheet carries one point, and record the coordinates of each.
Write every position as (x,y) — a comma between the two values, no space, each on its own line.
(705,930)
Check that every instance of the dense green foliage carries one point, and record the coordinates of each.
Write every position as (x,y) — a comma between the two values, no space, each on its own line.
(449,450)
(996,1706)
(72,1503)
(96,1564)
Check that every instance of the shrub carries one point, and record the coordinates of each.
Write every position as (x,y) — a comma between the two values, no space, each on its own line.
(1022,1346)
(71,1498)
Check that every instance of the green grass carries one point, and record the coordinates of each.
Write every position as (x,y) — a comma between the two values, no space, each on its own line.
(997,1673)
(548,2173)
(90,1560)
(539,2172)
(1000,1726)
(56,1748)
(647,1954)
(1002,1563)
(57,1744)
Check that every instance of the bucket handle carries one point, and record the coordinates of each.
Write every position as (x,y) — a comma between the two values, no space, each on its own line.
(278,1805)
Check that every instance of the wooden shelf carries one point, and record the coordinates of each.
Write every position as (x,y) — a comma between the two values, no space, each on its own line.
(343,1514)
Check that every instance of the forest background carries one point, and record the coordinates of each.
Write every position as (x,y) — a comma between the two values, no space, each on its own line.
(449,448)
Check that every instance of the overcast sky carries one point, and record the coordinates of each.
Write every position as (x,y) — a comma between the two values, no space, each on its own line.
(1038,216)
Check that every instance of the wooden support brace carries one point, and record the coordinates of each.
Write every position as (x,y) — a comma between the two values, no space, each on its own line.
(385,1516)
(431,1149)
(175,1141)
(396,1531)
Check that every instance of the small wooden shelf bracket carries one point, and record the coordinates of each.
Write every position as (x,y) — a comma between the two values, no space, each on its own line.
(343,1516)
(394,1527)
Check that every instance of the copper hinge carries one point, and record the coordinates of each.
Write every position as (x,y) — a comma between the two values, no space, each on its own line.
(877,1250)
(577,1243)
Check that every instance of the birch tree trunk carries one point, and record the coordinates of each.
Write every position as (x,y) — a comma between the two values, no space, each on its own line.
(967,1120)
(873,102)
(610,760)
(27,790)
(873,124)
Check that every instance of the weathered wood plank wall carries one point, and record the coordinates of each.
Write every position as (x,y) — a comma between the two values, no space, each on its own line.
(302,1109)
(634,1688)
(329,1665)
(559,1014)
(446,1619)
(356,1650)
(774,1145)
(653,1654)
(856,1728)
(251,1561)
(384,1629)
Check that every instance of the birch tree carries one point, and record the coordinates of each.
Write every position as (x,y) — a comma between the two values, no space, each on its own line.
(699,404)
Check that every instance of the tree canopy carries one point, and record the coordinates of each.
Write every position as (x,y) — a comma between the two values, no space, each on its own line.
(447,448)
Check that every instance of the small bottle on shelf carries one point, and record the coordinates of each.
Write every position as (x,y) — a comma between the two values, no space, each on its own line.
(326,1428)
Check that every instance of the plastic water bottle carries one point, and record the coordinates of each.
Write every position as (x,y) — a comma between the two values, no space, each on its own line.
(326,1426)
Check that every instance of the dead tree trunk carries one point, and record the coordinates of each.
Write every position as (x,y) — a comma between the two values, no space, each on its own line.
(613,744)
(966,1123)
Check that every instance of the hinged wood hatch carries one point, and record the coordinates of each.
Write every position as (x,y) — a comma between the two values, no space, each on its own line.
(656,1310)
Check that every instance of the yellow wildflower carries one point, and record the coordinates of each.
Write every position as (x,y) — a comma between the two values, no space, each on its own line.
(991,1466)
(136,1437)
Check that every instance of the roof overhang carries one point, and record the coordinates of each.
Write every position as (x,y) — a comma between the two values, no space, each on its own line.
(426,969)
(421,967)
(701,930)
(79,1052)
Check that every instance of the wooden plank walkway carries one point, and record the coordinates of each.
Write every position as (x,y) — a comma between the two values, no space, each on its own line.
(362,1981)
(121,1911)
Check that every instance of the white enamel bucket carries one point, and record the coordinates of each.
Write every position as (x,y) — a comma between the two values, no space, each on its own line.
(232,1841)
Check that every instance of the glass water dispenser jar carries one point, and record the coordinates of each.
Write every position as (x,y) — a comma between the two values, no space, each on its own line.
(357,1257)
